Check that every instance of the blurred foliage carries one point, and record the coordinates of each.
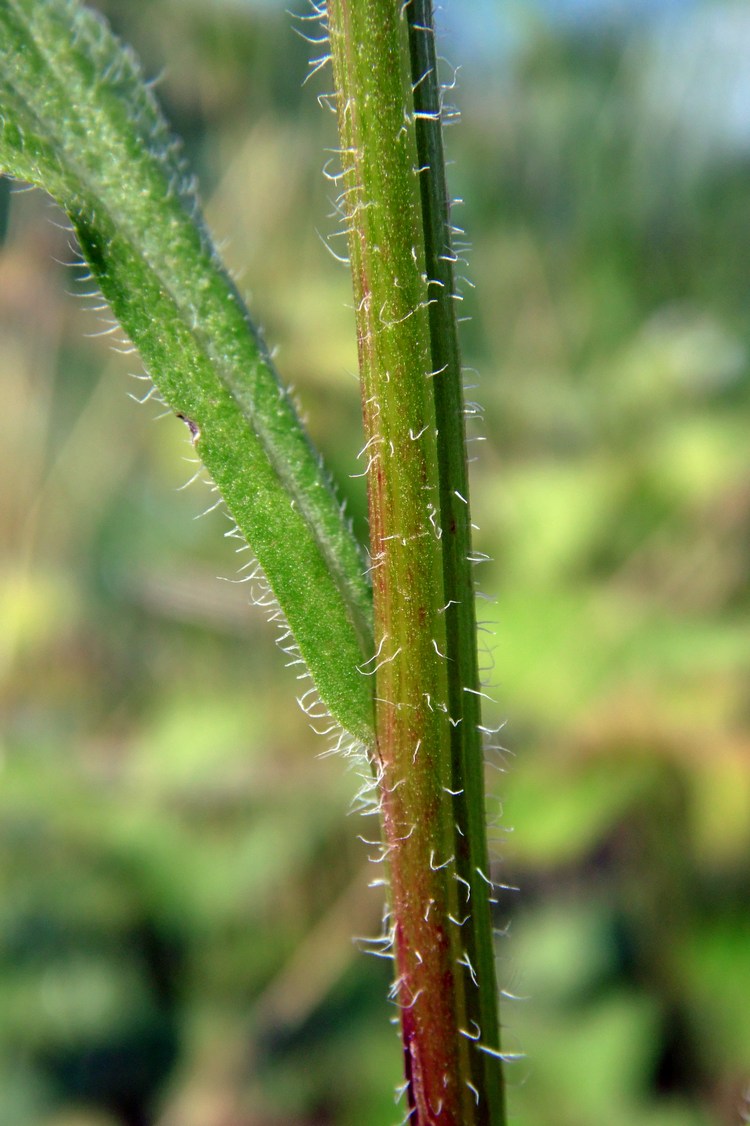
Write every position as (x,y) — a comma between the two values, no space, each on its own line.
(179,882)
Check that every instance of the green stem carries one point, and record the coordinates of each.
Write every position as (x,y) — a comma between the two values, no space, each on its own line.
(428,763)
(455,521)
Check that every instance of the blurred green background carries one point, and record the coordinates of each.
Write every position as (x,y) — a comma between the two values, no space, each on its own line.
(180,882)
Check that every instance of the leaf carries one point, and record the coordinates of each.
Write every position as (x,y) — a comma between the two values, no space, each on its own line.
(77,119)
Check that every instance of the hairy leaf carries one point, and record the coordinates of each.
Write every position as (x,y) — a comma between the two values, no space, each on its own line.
(77,119)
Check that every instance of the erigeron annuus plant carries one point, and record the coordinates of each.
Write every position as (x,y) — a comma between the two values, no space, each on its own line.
(388,635)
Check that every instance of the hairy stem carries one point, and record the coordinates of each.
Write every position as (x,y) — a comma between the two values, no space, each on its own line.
(425,667)
(458,557)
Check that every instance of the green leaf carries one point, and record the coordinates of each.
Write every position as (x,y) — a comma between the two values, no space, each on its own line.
(77,119)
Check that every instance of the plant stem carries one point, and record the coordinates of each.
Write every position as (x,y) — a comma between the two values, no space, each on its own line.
(456,542)
(427,761)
